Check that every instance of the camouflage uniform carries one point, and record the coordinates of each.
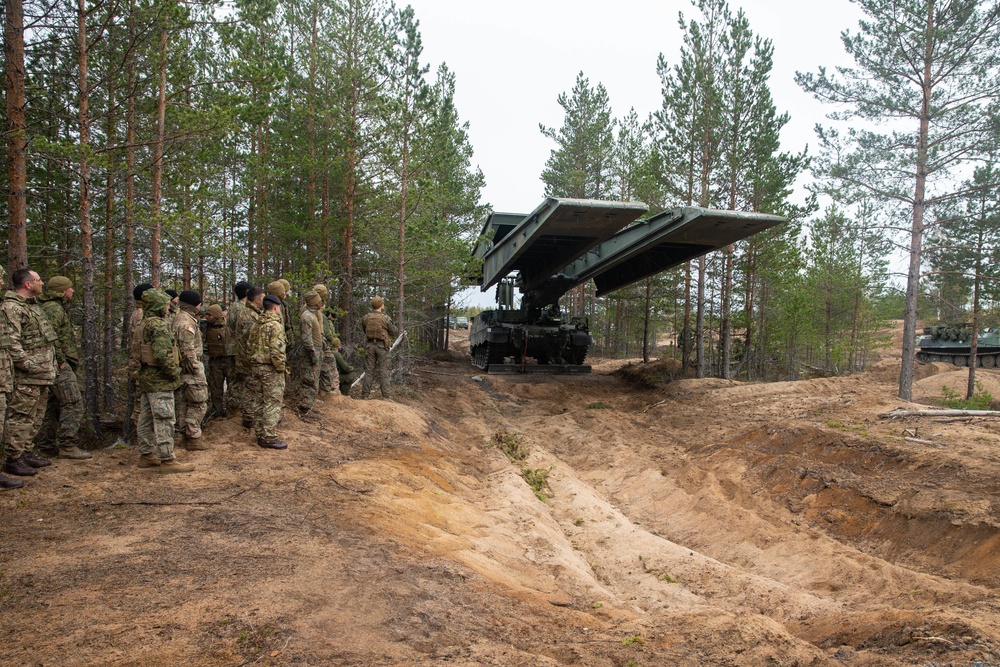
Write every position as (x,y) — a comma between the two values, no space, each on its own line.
(64,409)
(191,398)
(133,323)
(346,372)
(328,379)
(379,333)
(266,384)
(236,379)
(248,316)
(159,375)
(313,343)
(32,353)
(221,365)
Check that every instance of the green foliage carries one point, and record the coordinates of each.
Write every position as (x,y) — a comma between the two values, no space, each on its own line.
(599,405)
(510,444)
(633,640)
(980,400)
(538,482)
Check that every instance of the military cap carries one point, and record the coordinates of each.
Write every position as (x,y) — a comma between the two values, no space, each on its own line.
(287,285)
(276,289)
(59,284)
(377,302)
(190,297)
(335,342)
(172,293)
(155,300)
(313,299)
(270,298)
(241,288)
(215,310)
(139,289)
(322,290)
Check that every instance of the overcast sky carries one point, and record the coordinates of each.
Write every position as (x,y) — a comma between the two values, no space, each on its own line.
(513,58)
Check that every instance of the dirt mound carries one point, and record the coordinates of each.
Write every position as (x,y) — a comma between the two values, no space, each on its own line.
(686,522)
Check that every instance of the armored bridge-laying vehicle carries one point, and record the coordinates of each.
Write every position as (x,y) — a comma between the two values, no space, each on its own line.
(566,242)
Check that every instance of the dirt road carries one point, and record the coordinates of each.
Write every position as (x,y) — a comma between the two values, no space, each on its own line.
(694,522)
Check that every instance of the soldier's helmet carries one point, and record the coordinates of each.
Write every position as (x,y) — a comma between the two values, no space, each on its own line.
(58,285)
(276,289)
(313,299)
(322,290)
(377,302)
(155,301)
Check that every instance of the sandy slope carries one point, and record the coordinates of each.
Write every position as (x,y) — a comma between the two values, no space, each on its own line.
(700,522)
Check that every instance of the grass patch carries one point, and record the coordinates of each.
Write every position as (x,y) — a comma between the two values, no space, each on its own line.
(633,640)
(980,400)
(510,444)
(538,482)
(599,405)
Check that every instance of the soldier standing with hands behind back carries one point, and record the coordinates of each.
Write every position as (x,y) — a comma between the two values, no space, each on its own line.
(379,333)
(266,385)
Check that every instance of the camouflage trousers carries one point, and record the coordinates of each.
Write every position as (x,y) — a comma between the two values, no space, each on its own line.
(63,414)
(329,377)
(155,431)
(221,375)
(25,407)
(309,384)
(377,358)
(265,391)
(191,402)
(3,421)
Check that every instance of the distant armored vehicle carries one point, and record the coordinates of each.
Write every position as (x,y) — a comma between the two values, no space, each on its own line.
(564,243)
(951,343)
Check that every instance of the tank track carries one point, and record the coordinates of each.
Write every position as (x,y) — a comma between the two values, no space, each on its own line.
(985,360)
(485,354)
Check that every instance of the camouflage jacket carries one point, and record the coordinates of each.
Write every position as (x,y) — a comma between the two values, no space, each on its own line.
(31,340)
(232,317)
(311,329)
(6,369)
(187,334)
(378,326)
(248,316)
(165,375)
(53,305)
(329,325)
(266,344)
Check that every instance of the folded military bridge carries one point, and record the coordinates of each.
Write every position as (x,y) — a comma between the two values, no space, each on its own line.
(566,242)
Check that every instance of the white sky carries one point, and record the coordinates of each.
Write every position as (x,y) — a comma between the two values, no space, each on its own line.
(513,58)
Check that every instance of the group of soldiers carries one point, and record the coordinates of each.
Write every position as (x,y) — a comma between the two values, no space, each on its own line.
(172,337)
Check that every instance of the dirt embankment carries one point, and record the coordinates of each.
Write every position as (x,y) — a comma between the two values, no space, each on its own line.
(698,522)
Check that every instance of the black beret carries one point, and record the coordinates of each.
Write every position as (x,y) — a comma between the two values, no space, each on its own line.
(241,288)
(272,299)
(172,293)
(139,289)
(190,297)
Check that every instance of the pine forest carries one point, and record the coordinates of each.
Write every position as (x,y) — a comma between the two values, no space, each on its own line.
(196,144)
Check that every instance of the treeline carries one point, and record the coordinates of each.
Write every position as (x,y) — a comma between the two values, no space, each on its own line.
(813,295)
(195,144)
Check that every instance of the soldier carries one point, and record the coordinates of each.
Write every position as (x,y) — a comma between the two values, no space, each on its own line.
(221,365)
(133,364)
(266,386)
(328,380)
(6,386)
(249,315)
(379,332)
(313,343)
(32,353)
(158,377)
(64,410)
(191,398)
(232,316)
(346,373)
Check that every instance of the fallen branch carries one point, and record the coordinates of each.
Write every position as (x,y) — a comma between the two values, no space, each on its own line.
(654,405)
(163,503)
(924,442)
(900,412)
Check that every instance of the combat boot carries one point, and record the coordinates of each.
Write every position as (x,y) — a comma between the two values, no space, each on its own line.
(19,467)
(150,460)
(247,422)
(34,461)
(10,483)
(308,415)
(173,465)
(194,444)
(75,453)
(271,444)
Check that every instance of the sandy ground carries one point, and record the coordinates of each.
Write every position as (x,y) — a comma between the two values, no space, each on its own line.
(694,522)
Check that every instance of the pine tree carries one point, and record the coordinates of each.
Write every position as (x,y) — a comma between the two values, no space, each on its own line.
(931,67)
